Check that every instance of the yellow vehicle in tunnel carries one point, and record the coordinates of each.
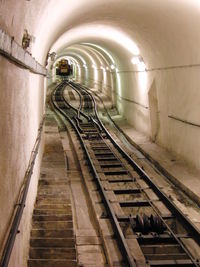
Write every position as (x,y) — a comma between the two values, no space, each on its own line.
(63,68)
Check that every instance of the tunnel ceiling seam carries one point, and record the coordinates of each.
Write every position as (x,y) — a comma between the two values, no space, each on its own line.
(160,68)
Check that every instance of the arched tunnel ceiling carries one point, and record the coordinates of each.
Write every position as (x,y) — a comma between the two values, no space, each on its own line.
(166,32)
(87,55)
(109,38)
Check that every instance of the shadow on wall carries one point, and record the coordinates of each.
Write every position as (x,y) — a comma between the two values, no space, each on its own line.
(154,112)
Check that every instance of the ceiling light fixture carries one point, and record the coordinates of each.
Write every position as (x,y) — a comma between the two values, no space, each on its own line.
(112,67)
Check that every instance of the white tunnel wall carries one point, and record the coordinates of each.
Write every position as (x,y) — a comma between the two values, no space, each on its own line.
(149,98)
(167,33)
(178,96)
(94,77)
(21,109)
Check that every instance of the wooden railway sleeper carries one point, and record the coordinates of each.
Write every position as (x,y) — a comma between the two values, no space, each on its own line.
(145,220)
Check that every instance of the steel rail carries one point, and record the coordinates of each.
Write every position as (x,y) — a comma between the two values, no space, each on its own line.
(191,228)
(81,102)
(78,111)
(117,229)
(143,173)
(21,205)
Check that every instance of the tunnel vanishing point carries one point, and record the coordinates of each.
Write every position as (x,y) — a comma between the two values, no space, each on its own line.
(99,165)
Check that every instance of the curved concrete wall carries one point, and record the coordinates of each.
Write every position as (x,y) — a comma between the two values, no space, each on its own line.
(166,34)
(21,109)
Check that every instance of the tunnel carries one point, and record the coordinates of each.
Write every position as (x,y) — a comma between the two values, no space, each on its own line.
(142,59)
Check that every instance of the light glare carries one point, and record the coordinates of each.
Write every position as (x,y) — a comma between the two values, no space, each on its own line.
(100,31)
(139,62)
(141,66)
(136,60)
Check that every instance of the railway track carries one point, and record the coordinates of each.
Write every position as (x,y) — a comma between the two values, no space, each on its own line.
(137,209)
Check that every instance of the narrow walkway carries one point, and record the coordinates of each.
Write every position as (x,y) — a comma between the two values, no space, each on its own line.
(52,240)
(186,177)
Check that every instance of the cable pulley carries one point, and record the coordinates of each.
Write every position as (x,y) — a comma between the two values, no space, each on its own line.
(145,224)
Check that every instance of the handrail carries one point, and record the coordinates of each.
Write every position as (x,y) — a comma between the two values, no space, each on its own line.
(21,205)
(184,121)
